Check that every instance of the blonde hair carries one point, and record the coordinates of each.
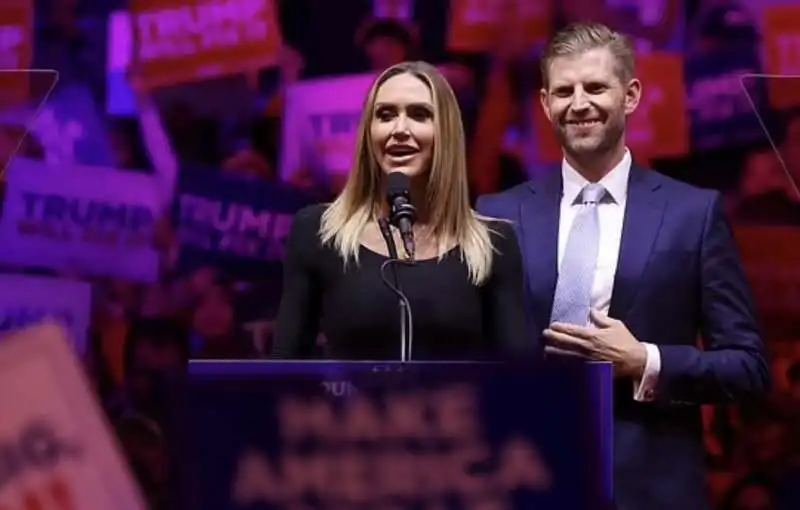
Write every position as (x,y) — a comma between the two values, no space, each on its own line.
(578,38)
(447,195)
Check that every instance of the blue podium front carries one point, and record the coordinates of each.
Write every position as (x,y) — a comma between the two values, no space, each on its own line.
(375,435)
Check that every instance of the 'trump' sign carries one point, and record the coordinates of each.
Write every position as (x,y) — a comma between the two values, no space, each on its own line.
(179,41)
(96,221)
(320,125)
(237,223)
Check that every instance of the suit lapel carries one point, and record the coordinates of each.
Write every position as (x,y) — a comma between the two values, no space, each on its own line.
(539,219)
(643,215)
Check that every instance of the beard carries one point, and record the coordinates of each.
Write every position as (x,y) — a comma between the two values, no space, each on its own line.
(601,140)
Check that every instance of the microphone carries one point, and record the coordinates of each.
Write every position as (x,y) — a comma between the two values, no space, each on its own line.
(401,213)
(406,318)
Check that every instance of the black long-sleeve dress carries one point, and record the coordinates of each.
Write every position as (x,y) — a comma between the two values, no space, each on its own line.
(452,318)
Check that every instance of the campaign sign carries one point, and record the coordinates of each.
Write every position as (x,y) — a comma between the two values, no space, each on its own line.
(659,128)
(272,435)
(16,50)
(237,224)
(178,41)
(58,452)
(721,112)
(91,220)
(480,25)
(782,54)
(320,125)
(769,255)
(26,300)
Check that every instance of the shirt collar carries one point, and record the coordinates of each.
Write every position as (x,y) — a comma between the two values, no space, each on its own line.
(615,182)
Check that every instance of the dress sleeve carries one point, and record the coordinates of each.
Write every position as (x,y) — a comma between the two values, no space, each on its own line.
(504,307)
(297,324)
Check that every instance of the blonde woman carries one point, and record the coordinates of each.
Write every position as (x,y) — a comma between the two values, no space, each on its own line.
(466,287)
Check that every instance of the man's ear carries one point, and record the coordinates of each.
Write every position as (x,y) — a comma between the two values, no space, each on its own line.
(545,106)
(633,95)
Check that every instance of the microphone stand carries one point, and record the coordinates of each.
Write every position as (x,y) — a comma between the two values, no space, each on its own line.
(402,301)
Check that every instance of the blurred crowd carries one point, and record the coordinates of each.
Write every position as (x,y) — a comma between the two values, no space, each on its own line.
(143,335)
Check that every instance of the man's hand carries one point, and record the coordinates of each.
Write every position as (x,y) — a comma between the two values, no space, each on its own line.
(608,340)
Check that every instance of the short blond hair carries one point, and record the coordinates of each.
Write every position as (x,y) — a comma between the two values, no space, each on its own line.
(578,38)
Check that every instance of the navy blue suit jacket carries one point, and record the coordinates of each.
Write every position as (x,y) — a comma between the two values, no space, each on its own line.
(678,276)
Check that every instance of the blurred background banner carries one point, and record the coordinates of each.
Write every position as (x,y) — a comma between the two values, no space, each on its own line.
(532,20)
(320,125)
(48,401)
(770,256)
(721,114)
(175,41)
(477,26)
(27,300)
(236,224)
(659,127)
(16,50)
(782,53)
(91,220)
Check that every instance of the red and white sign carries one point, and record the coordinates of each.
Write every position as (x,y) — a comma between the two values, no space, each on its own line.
(56,449)
(177,41)
(782,54)
(480,25)
(770,256)
(16,50)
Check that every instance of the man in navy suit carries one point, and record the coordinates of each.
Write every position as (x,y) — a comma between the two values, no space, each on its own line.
(628,266)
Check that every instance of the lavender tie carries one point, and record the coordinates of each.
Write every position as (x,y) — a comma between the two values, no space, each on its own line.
(576,274)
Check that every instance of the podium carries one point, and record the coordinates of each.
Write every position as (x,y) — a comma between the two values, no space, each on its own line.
(386,435)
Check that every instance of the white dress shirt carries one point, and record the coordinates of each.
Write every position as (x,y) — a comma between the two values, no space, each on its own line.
(611,214)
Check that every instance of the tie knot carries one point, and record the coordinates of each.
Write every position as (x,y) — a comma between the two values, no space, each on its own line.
(592,193)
